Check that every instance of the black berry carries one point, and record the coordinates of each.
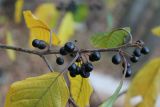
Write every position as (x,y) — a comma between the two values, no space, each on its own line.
(72,73)
(128,72)
(84,74)
(95,56)
(60,60)
(35,43)
(88,67)
(63,51)
(134,59)
(137,52)
(42,44)
(73,67)
(78,70)
(69,47)
(128,64)
(116,59)
(145,50)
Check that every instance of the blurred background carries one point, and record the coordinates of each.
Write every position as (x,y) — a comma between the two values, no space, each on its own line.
(99,16)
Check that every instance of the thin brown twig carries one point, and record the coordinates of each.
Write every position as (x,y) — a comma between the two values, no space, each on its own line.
(47,62)
(2,46)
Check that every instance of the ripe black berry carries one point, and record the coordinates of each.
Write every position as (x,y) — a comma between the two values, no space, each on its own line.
(145,50)
(42,44)
(137,52)
(116,59)
(84,74)
(62,51)
(78,70)
(60,60)
(134,59)
(88,67)
(128,72)
(72,73)
(128,64)
(73,67)
(69,47)
(95,56)
(35,43)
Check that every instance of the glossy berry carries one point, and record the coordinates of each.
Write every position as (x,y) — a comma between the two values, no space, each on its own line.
(116,59)
(128,65)
(60,60)
(137,52)
(88,67)
(69,47)
(62,51)
(145,50)
(73,67)
(134,59)
(84,74)
(128,72)
(35,43)
(72,73)
(78,70)
(42,44)
(95,56)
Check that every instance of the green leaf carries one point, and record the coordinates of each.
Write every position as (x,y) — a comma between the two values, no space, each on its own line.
(49,90)
(146,84)
(81,13)
(110,39)
(81,90)
(111,100)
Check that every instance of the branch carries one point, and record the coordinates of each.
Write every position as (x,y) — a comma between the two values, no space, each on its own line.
(47,63)
(40,53)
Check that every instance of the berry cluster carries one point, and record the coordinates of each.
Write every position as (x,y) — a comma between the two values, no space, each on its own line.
(117,59)
(68,48)
(40,44)
(80,67)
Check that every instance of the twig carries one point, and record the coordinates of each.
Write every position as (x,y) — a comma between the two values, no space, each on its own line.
(47,63)
(2,46)
(72,102)
(123,92)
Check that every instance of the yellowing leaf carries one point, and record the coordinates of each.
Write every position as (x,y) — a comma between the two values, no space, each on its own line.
(156,31)
(18,10)
(81,90)
(146,85)
(66,29)
(48,13)
(39,29)
(9,41)
(43,91)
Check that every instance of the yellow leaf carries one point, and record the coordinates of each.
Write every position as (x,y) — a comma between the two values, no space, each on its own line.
(81,90)
(66,29)
(9,41)
(47,90)
(18,10)
(145,84)
(156,31)
(39,29)
(48,13)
